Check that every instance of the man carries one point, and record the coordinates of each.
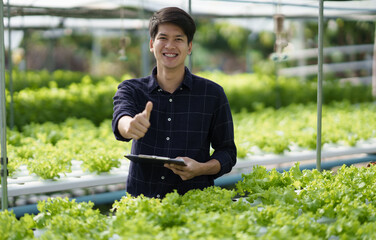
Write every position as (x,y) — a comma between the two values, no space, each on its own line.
(173,113)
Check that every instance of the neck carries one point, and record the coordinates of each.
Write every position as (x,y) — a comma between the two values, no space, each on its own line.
(170,79)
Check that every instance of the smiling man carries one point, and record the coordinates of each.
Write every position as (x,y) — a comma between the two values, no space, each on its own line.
(174,113)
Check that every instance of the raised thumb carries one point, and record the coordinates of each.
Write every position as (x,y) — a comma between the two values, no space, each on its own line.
(148,108)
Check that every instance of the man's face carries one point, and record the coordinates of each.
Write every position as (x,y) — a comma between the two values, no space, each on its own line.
(170,46)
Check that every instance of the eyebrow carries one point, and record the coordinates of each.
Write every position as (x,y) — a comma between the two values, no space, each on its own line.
(164,34)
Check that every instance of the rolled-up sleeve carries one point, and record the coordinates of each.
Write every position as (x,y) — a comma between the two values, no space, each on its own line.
(222,137)
(123,106)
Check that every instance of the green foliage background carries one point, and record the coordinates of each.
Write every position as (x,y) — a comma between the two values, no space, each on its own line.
(68,118)
(40,97)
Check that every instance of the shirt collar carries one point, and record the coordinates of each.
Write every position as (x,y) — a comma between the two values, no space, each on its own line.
(153,84)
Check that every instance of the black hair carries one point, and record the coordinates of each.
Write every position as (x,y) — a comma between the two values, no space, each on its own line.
(175,16)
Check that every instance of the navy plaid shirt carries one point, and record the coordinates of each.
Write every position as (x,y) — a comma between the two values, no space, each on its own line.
(185,123)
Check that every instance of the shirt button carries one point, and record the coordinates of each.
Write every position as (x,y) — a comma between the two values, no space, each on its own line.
(170,100)
(169,119)
(163,177)
(158,196)
(181,88)
(160,90)
(167,138)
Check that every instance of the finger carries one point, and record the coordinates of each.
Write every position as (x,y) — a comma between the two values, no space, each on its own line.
(177,172)
(171,167)
(144,122)
(134,136)
(182,174)
(141,122)
(178,167)
(167,165)
(175,167)
(141,125)
(136,133)
(139,134)
(148,108)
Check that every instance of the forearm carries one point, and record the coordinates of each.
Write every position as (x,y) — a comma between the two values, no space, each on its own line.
(210,167)
(227,159)
(123,124)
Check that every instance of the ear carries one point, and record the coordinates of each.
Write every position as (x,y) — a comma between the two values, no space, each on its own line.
(151,45)
(190,45)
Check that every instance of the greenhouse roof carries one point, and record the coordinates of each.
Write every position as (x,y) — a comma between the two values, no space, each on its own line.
(223,8)
(111,13)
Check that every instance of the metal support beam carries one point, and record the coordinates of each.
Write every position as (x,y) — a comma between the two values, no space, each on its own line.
(319,86)
(145,48)
(10,72)
(3,126)
(374,67)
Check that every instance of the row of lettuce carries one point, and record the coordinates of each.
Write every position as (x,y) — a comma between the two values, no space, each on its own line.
(48,149)
(65,116)
(266,204)
(42,96)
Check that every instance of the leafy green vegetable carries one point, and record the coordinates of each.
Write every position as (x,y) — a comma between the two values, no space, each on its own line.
(325,205)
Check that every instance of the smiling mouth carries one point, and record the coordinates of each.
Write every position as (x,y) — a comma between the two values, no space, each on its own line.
(170,55)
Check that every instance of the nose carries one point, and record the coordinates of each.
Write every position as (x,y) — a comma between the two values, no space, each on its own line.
(170,44)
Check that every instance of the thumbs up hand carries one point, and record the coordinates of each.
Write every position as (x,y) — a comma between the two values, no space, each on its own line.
(137,126)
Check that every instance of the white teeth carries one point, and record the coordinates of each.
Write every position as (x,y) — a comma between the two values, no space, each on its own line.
(170,55)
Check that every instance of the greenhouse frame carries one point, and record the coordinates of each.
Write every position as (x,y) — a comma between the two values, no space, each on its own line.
(134,14)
